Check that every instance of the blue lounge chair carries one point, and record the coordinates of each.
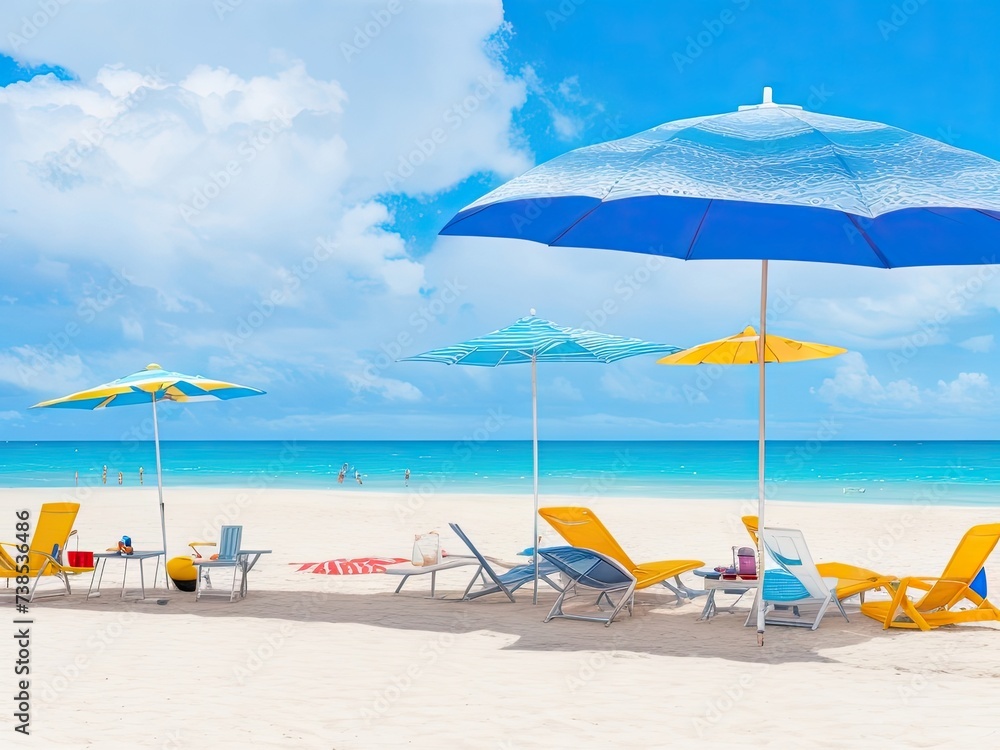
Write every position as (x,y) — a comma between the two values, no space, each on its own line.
(508,582)
(592,570)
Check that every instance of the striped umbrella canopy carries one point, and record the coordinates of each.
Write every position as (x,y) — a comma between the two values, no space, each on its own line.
(149,386)
(531,340)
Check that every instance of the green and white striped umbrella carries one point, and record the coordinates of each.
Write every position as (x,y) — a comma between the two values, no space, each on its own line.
(531,340)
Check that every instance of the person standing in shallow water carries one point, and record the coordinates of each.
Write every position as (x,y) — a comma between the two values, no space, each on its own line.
(406,478)
(357,475)
(104,474)
(140,475)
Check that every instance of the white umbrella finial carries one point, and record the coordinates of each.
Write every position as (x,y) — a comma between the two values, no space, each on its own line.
(153,366)
(531,311)
(767,95)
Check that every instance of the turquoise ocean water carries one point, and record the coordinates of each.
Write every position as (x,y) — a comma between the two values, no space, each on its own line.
(954,472)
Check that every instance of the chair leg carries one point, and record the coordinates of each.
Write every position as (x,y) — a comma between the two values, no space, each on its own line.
(822,609)
(840,606)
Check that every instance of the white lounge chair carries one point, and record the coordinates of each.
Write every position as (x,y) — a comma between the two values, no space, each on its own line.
(407,570)
(791,580)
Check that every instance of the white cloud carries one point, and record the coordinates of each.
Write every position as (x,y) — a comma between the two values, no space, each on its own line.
(42,371)
(968,389)
(569,110)
(979,344)
(622,384)
(363,377)
(853,383)
(11,416)
(565,389)
(132,329)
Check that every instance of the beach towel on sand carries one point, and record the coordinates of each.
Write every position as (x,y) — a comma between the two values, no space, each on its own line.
(344,567)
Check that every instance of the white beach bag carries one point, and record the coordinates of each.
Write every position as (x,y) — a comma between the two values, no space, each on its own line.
(426,549)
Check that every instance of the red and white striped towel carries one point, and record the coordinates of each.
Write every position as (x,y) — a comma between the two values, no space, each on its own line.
(344,567)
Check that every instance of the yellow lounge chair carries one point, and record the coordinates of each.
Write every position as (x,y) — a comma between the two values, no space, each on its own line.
(937,606)
(52,530)
(851,579)
(581,528)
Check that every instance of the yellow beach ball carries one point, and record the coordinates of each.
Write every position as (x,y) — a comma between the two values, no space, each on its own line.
(183,573)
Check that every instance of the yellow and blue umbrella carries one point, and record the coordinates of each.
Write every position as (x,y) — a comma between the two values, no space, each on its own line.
(149,386)
(531,340)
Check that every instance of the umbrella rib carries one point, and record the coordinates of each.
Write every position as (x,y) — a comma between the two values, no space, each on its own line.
(864,234)
(833,147)
(986,214)
(694,237)
(645,157)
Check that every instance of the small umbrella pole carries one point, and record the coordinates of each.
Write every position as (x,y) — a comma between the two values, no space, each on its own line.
(534,448)
(159,489)
(760,455)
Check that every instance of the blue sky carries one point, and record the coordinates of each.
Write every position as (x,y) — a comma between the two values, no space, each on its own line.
(261,204)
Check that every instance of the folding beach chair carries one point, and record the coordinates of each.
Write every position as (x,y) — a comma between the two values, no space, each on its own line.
(851,580)
(52,530)
(589,569)
(228,557)
(508,582)
(582,528)
(963,580)
(791,581)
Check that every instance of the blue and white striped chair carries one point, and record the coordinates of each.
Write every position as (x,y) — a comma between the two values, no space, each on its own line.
(792,580)
(227,557)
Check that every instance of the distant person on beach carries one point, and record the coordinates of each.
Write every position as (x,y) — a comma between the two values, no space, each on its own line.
(406,477)
(140,475)
(357,475)
(104,474)
(340,477)
(120,478)
(76,478)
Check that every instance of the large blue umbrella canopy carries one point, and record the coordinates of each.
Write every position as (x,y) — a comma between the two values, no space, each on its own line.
(768,182)
(531,340)
(149,386)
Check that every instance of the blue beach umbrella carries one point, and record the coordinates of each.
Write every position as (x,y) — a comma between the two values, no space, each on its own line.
(532,340)
(768,182)
(149,386)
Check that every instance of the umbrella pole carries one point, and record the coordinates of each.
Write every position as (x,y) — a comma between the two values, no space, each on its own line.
(760,454)
(534,447)
(159,489)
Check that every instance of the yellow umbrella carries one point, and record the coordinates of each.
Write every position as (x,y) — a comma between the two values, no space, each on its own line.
(744,349)
(741,349)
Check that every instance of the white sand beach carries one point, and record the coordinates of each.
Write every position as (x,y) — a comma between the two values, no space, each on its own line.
(317,661)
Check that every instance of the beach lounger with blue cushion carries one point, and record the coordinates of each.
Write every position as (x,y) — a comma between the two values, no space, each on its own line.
(791,580)
(508,582)
(592,570)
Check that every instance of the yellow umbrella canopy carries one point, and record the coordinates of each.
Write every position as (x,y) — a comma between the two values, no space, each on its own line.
(741,349)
